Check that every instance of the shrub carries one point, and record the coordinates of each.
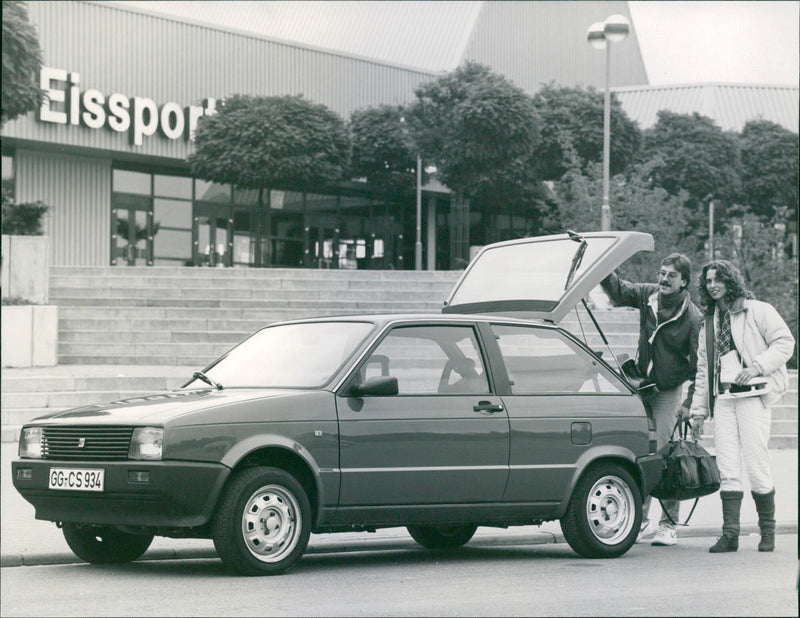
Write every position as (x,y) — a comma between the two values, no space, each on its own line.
(23,219)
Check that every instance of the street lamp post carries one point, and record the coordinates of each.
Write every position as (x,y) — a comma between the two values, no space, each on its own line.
(613,30)
(418,243)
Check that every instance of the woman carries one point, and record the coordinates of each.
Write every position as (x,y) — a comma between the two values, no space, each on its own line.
(741,371)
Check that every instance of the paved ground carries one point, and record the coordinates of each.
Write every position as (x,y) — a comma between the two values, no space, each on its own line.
(27,541)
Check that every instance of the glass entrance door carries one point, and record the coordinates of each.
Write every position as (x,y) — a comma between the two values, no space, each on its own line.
(132,231)
(212,231)
(322,247)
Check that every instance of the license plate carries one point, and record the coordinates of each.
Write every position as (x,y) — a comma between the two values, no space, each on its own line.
(76,479)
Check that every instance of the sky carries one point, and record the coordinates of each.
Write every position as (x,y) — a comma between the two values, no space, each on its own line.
(707,41)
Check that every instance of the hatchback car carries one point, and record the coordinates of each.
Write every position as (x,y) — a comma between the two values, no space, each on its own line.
(488,414)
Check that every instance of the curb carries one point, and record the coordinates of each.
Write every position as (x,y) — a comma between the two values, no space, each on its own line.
(368,544)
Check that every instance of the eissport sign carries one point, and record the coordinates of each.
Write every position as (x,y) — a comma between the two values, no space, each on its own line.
(118,112)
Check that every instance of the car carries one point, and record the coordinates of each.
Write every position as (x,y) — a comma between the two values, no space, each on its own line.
(486,414)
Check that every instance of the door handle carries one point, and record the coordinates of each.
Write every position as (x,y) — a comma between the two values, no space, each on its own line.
(488,407)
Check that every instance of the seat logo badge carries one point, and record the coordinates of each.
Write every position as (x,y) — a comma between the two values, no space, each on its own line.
(81,442)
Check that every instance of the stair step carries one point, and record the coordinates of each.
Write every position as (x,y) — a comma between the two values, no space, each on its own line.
(64,399)
(200,335)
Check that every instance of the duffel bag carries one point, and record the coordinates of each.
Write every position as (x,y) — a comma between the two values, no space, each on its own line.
(688,470)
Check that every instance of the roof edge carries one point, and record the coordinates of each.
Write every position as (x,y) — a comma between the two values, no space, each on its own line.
(703,85)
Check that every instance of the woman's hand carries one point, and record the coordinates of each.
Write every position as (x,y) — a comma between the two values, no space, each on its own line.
(745,375)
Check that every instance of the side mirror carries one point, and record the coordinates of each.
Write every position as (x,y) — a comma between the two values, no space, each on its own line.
(384,386)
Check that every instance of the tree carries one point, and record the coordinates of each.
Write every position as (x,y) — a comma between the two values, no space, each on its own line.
(382,151)
(22,63)
(691,152)
(476,127)
(260,142)
(572,123)
(769,168)
(636,205)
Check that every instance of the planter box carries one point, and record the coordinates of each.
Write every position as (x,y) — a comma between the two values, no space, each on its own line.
(29,335)
(26,268)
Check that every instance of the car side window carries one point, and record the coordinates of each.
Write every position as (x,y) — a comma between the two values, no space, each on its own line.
(427,360)
(541,360)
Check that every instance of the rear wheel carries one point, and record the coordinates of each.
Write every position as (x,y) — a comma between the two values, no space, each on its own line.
(262,523)
(604,513)
(105,545)
(442,537)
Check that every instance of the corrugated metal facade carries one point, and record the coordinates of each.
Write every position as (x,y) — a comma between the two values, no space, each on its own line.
(78,191)
(730,105)
(538,42)
(122,51)
(429,35)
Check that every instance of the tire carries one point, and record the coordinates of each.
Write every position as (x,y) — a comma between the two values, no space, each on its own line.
(262,522)
(442,537)
(105,545)
(604,513)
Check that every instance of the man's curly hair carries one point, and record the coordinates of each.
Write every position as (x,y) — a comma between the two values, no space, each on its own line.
(728,274)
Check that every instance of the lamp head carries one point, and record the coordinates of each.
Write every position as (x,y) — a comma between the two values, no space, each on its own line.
(596,36)
(616,28)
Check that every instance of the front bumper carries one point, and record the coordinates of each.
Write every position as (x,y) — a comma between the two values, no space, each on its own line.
(179,494)
(650,467)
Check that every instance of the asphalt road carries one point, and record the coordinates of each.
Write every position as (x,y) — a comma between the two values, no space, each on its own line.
(542,580)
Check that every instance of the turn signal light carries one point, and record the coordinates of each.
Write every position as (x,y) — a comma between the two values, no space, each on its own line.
(138,476)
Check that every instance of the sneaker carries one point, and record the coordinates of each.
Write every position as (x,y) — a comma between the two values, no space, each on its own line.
(646,533)
(667,535)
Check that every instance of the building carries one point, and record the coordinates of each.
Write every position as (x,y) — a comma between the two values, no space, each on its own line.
(127,85)
(108,150)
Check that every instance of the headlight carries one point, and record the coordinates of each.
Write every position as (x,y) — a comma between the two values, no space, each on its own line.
(30,443)
(146,443)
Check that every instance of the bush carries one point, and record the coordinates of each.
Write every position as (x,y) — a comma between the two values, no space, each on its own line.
(23,219)
(15,300)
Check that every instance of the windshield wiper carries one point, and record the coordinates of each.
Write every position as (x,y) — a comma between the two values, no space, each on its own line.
(199,375)
(577,258)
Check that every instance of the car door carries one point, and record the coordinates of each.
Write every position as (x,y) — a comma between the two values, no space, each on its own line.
(561,402)
(443,439)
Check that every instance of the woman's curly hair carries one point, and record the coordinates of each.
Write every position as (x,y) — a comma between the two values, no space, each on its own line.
(728,274)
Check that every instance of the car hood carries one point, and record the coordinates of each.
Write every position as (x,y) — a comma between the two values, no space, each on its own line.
(542,277)
(157,408)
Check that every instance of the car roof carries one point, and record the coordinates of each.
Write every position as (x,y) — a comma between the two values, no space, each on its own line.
(387,318)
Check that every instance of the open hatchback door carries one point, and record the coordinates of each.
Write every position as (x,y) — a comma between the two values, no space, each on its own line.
(542,277)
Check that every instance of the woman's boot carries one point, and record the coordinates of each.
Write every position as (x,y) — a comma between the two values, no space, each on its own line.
(765,505)
(731,506)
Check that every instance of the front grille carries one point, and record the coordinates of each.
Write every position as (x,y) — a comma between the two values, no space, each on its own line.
(86,443)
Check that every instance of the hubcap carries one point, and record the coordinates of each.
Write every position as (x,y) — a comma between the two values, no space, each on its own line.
(610,510)
(270,523)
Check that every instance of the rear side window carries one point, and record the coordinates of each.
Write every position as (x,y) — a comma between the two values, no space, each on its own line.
(430,360)
(543,361)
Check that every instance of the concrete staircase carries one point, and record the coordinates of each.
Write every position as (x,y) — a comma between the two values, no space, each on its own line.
(189,316)
(124,332)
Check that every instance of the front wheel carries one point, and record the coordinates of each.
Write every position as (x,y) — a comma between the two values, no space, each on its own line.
(105,545)
(442,537)
(262,523)
(604,513)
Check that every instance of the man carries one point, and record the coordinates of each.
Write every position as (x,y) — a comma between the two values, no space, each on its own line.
(669,323)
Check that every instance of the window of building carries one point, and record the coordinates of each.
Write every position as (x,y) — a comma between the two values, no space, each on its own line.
(8,177)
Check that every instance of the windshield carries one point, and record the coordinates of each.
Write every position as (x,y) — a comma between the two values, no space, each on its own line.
(303,355)
(530,270)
